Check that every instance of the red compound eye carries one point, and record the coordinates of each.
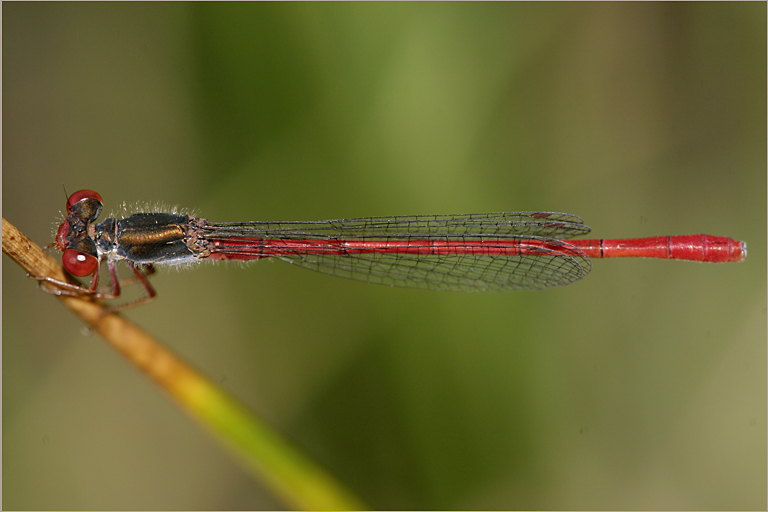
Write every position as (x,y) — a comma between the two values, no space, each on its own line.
(82,194)
(79,263)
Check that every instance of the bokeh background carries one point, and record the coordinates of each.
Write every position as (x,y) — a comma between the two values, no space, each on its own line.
(640,387)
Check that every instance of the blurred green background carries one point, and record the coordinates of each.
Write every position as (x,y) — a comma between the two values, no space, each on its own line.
(640,387)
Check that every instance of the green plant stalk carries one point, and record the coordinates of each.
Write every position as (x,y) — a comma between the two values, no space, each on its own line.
(293,476)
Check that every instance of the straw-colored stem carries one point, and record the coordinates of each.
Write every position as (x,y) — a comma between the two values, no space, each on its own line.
(294,477)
